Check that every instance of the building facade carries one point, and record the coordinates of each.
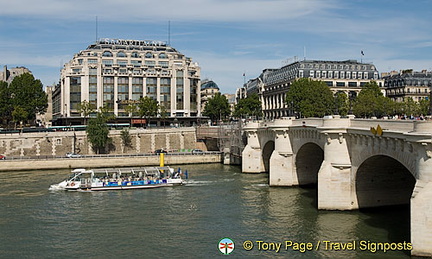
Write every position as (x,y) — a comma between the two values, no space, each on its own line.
(208,90)
(341,76)
(408,84)
(114,73)
(7,75)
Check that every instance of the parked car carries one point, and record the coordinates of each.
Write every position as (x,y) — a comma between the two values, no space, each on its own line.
(158,151)
(73,155)
(2,157)
(197,151)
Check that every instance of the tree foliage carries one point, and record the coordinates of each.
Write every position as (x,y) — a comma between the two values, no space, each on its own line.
(19,114)
(371,102)
(5,103)
(86,108)
(250,106)
(147,107)
(341,103)
(25,92)
(97,133)
(217,108)
(126,138)
(310,98)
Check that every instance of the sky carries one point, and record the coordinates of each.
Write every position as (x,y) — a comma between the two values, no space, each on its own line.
(228,38)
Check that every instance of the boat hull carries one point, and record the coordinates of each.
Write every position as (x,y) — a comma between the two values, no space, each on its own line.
(125,185)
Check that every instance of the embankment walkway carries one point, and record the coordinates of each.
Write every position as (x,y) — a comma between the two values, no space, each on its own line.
(109,161)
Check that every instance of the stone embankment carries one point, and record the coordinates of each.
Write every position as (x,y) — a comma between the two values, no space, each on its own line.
(108,161)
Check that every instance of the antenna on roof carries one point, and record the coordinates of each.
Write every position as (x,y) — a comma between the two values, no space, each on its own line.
(304,53)
(96,28)
(169,33)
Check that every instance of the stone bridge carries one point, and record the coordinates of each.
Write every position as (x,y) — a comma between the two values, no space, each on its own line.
(356,164)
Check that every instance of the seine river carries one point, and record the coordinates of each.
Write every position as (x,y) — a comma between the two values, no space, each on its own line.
(185,221)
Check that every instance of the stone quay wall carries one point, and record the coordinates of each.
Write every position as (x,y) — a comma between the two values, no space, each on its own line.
(47,144)
(108,161)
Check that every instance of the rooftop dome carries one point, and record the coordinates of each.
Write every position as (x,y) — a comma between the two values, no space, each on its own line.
(209,85)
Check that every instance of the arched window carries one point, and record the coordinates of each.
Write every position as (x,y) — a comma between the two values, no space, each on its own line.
(148,55)
(163,55)
(121,54)
(107,54)
(135,55)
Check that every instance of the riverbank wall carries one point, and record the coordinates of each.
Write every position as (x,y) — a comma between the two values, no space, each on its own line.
(107,161)
(42,144)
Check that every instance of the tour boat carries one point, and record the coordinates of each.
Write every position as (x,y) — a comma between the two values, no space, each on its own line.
(121,179)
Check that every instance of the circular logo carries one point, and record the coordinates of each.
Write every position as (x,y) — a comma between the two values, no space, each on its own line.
(226,246)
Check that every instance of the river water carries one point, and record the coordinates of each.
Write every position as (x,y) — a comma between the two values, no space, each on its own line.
(185,221)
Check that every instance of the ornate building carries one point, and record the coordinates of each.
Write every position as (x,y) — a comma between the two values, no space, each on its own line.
(341,76)
(208,90)
(114,72)
(408,84)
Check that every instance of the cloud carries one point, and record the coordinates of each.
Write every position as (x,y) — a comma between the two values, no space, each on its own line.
(146,10)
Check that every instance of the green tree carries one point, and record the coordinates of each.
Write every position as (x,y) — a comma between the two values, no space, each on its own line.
(19,114)
(371,102)
(250,106)
(310,98)
(131,108)
(5,104)
(163,113)
(341,103)
(86,108)
(27,93)
(217,108)
(106,113)
(126,138)
(97,133)
(147,107)
(424,107)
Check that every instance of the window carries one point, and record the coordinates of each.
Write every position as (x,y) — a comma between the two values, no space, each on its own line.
(163,64)
(135,55)
(121,54)
(148,55)
(150,63)
(107,54)
(93,71)
(163,55)
(75,92)
(107,61)
(92,61)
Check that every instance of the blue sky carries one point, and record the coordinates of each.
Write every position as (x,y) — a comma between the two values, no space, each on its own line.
(226,37)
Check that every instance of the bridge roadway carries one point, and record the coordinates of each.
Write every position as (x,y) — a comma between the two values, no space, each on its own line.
(353,162)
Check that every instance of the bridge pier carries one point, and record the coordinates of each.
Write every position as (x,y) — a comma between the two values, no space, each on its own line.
(252,161)
(282,165)
(335,182)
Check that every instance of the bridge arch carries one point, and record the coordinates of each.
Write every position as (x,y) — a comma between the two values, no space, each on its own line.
(267,151)
(308,161)
(382,180)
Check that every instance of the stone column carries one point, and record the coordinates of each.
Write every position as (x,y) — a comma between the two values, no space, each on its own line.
(421,205)
(252,161)
(335,191)
(421,219)
(282,161)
